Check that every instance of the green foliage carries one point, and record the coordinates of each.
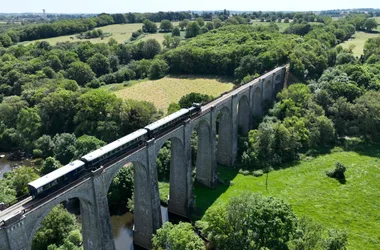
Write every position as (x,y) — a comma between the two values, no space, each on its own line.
(163,162)
(149,26)
(192,30)
(200,21)
(177,237)
(158,69)
(55,228)
(121,190)
(176,32)
(336,240)
(183,24)
(187,101)
(173,107)
(99,64)
(251,221)
(86,144)
(49,165)
(166,26)
(338,172)
(20,178)
(80,72)
(64,147)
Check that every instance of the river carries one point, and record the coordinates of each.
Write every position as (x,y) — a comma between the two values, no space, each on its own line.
(122,229)
(6,165)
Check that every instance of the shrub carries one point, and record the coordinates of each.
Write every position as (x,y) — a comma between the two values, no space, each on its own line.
(336,240)
(244,172)
(258,173)
(338,172)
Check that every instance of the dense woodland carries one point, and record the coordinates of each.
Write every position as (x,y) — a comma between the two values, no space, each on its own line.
(53,107)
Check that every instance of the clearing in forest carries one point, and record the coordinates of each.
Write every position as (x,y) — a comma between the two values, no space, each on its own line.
(170,89)
(353,206)
(359,40)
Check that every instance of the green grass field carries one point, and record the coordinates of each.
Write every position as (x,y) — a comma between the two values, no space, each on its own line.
(359,40)
(120,32)
(170,89)
(282,25)
(353,206)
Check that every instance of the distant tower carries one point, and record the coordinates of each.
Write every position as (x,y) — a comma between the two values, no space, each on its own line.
(44,13)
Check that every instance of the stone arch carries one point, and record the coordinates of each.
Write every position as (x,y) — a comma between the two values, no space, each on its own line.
(41,216)
(257,100)
(268,90)
(243,115)
(224,145)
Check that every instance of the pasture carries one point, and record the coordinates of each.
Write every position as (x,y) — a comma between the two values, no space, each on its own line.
(120,32)
(353,206)
(170,89)
(359,40)
(282,25)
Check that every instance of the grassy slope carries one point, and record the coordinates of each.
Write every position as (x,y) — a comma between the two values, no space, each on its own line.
(353,206)
(359,40)
(170,89)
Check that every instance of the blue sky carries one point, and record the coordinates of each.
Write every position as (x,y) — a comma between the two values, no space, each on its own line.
(123,6)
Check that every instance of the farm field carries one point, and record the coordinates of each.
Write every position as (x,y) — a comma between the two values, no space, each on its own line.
(359,40)
(120,32)
(353,206)
(170,89)
(282,25)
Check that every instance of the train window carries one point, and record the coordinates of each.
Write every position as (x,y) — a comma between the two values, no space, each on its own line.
(39,190)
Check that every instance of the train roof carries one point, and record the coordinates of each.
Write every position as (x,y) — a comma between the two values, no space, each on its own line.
(167,119)
(113,145)
(56,174)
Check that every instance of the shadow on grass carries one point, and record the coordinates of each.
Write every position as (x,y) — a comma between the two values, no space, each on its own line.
(205,197)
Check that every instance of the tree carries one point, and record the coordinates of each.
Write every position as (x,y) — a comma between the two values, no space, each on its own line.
(149,26)
(64,147)
(173,107)
(193,29)
(5,40)
(28,125)
(166,26)
(54,229)
(176,32)
(21,177)
(251,221)
(177,237)
(158,69)
(80,72)
(183,24)
(200,21)
(86,144)
(370,24)
(217,23)
(99,64)
(210,25)
(187,101)
(49,165)
(121,189)
(151,48)
(163,163)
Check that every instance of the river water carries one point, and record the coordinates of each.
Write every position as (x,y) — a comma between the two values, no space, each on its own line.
(122,229)
(7,166)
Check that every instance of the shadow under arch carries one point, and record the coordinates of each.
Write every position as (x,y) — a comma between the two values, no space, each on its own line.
(243,115)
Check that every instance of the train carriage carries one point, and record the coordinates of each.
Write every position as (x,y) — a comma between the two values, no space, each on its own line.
(114,149)
(56,179)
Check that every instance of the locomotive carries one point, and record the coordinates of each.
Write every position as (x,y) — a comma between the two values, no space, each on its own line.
(92,161)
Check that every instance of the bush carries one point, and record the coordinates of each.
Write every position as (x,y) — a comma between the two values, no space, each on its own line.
(258,173)
(338,172)
(336,240)
(158,69)
(353,143)
(244,172)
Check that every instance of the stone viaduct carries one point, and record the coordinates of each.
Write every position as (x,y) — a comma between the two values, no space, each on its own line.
(234,112)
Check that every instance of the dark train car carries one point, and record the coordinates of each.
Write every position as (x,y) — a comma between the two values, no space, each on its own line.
(56,179)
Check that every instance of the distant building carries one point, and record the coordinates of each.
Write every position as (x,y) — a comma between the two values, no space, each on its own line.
(44,14)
